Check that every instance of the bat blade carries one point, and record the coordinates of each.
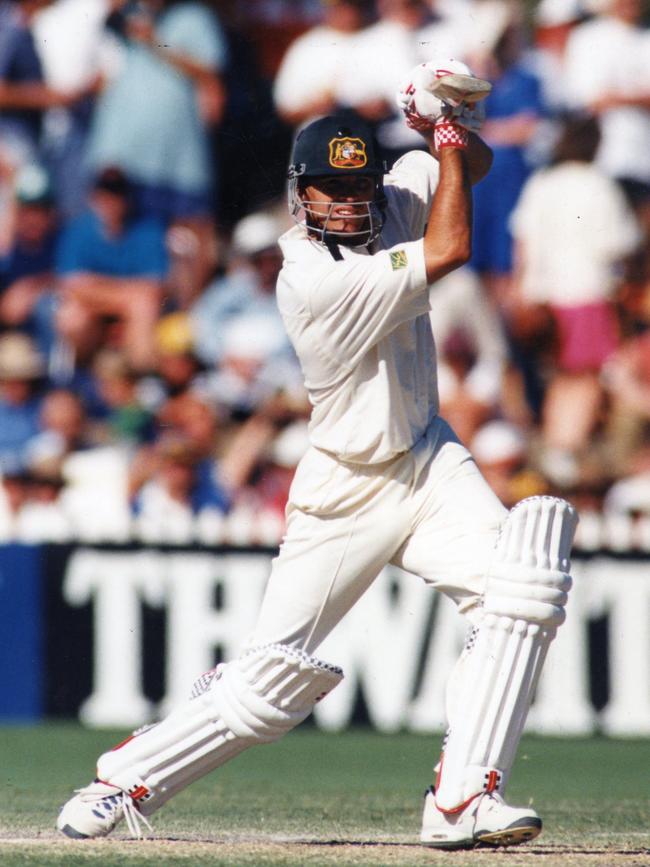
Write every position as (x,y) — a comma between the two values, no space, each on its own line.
(455,88)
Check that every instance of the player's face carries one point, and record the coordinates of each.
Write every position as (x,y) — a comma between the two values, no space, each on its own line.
(340,202)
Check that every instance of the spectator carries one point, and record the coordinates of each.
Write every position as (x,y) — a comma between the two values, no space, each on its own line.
(514,108)
(23,94)
(111,263)
(194,419)
(42,517)
(126,421)
(273,456)
(472,351)
(574,208)
(95,496)
(27,269)
(63,429)
(216,470)
(626,377)
(176,491)
(75,51)
(177,367)
(63,423)
(630,495)
(256,368)
(616,88)
(406,33)
(554,22)
(247,288)
(500,448)
(21,369)
(152,117)
(313,75)
(14,493)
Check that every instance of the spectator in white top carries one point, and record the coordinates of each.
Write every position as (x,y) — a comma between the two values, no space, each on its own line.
(314,71)
(572,228)
(75,51)
(608,72)
(406,33)
(553,24)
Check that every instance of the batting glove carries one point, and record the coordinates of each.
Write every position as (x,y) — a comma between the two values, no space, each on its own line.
(445,93)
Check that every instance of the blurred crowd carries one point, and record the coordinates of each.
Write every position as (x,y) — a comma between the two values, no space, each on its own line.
(147,388)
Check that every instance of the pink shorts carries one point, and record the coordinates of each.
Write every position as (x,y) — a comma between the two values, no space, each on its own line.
(587,335)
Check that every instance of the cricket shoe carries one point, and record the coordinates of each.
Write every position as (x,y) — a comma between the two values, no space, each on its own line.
(96,809)
(485,821)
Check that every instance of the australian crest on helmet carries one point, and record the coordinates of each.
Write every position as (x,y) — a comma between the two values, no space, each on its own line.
(347,153)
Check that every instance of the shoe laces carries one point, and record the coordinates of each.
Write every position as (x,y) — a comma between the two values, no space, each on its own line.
(109,807)
(134,818)
(493,799)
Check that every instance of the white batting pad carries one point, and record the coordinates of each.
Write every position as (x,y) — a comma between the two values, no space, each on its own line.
(254,699)
(493,684)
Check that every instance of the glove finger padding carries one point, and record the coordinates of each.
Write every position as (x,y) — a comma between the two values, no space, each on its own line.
(415,99)
(471,116)
(421,97)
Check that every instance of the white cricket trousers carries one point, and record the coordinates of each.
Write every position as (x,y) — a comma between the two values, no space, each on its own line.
(428,511)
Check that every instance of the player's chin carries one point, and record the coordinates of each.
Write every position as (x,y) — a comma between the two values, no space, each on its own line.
(350,231)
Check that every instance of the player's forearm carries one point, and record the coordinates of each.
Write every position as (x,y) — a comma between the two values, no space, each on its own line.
(479,158)
(448,236)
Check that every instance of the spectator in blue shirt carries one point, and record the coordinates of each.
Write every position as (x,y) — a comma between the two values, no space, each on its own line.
(514,110)
(21,369)
(27,266)
(111,265)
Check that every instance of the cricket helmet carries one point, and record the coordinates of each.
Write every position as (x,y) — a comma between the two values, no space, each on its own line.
(336,145)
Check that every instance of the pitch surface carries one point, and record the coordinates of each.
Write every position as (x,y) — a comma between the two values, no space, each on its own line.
(322,800)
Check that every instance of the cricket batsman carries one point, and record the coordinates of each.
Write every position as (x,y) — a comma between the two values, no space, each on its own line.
(385,480)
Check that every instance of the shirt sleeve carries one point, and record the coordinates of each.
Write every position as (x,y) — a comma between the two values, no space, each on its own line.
(410,187)
(358,301)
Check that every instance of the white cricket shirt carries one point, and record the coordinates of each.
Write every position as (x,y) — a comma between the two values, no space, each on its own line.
(361,329)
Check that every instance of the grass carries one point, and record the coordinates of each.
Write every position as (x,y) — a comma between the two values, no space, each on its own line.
(318,799)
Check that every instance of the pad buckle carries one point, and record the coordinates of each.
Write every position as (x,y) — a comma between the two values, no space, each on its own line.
(492,781)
